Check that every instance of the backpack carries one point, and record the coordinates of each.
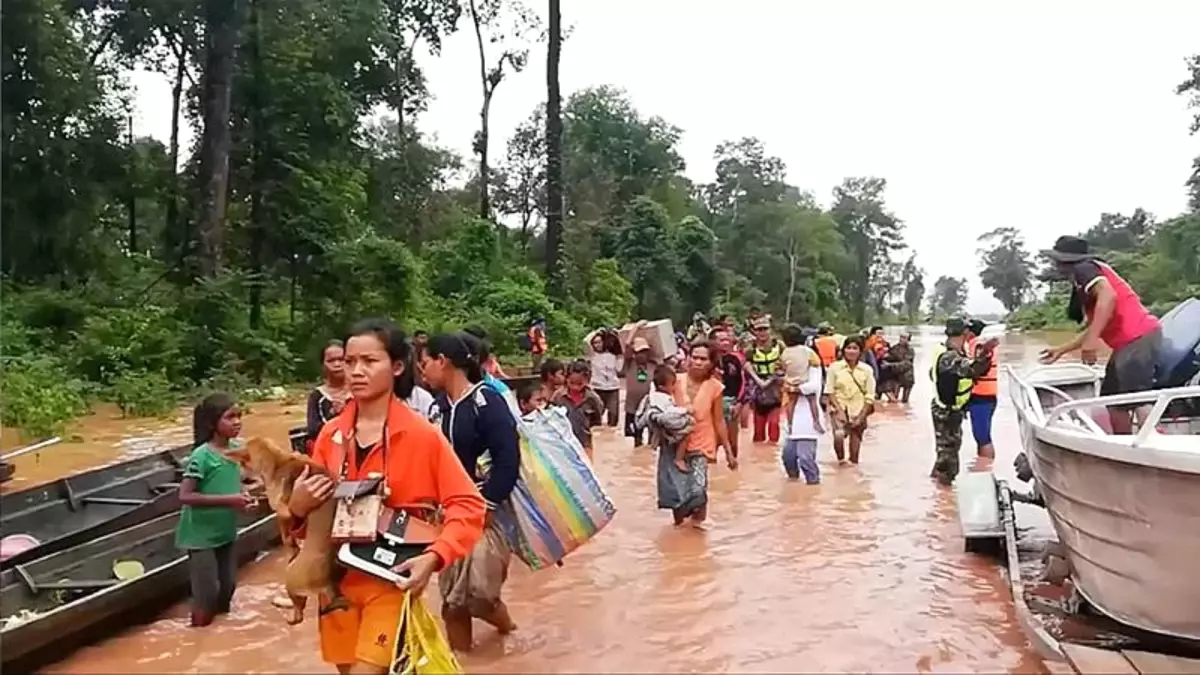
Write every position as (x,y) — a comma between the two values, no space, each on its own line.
(524,343)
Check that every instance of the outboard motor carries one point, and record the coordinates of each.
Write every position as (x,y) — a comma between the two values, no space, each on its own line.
(1179,358)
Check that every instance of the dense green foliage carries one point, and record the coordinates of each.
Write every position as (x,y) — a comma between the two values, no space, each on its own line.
(138,272)
(1159,259)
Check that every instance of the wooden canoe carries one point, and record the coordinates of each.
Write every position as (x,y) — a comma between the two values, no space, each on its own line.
(88,505)
(59,602)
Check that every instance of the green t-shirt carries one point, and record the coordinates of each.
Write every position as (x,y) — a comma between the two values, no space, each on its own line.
(203,527)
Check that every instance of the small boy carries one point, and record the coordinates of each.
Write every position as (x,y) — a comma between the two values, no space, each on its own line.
(794,363)
(669,424)
(530,397)
(553,375)
(584,406)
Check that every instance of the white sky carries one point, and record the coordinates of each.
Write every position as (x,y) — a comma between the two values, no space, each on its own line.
(1037,115)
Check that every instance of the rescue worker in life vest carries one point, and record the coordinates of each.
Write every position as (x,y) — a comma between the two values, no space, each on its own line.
(982,405)
(954,374)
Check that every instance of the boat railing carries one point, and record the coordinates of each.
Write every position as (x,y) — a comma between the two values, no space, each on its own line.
(1025,395)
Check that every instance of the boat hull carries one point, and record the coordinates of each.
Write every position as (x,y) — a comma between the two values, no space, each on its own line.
(60,628)
(1131,531)
(86,506)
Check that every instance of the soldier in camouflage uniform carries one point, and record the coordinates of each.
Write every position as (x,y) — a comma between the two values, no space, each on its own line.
(954,374)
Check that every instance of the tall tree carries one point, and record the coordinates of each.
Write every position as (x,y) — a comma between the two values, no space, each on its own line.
(221,22)
(1007,267)
(913,280)
(871,233)
(409,22)
(508,24)
(643,248)
(1191,88)
(554,152)
(949,296)
(520,185)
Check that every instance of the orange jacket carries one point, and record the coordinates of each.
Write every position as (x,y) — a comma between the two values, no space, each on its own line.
(827,347)
(989,384)
(422,471)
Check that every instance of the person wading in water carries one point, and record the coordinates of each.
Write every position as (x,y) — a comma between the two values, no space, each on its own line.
(954,374)
(483,432)
(686,492)
(850,384)
(377,434)
(982,405)
(762,366)
(1114,313)
(731,367)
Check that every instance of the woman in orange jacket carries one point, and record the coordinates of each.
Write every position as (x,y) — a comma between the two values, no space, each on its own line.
(377,433)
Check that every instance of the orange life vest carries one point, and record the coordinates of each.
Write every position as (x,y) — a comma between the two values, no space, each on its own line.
(826,347)
(989,384)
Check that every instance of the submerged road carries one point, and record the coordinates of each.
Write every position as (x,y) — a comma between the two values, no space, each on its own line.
(863,573)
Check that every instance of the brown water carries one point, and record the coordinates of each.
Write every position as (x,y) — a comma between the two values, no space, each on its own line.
(864,573)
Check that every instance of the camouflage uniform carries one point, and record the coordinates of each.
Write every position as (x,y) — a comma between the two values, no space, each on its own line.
(948,421)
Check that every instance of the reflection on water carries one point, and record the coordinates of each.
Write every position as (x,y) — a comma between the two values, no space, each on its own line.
(863,573)
(104,437)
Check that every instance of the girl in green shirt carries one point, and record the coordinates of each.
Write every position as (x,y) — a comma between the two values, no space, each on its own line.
(212,494)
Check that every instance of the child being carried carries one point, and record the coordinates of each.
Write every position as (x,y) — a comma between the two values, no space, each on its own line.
(795,361)
(669,423)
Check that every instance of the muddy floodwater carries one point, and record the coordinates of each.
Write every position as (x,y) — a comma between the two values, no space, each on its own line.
(863,573)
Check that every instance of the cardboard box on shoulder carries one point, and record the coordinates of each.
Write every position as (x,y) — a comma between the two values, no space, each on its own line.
(660,334)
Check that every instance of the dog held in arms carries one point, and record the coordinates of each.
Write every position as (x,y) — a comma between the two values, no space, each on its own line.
(311,565)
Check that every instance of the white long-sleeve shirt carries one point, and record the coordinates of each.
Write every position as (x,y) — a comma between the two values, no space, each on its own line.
(802,425)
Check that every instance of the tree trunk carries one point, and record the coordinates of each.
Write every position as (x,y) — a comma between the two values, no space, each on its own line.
(554,158)
(787,313)
(133,189)
(481,141)
(485,205)
(175,239)
(221,36)
(257,171)
(402,66)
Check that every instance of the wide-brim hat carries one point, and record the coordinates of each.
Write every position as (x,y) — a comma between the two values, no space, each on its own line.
(639,344)
(1069,249)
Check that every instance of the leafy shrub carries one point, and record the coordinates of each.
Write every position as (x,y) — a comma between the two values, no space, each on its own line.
(139,393)
(39,397)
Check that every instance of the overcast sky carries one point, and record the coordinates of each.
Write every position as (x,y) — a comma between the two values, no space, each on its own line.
(1037,115)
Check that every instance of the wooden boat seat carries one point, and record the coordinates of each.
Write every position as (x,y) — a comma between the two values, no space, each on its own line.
(35,586)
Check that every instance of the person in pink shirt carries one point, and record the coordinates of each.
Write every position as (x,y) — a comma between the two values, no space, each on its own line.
(1113,313)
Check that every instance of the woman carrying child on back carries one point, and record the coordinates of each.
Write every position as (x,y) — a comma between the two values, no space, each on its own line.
(212,494)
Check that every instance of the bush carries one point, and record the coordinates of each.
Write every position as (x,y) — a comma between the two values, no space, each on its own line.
(39,397)
(142,394)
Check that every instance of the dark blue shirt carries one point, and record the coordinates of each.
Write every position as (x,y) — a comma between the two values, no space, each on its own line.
(481,422)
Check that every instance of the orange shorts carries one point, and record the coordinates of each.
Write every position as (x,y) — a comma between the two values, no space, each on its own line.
(367,631)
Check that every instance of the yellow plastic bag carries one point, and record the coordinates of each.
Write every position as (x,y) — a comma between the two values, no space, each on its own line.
(421,649)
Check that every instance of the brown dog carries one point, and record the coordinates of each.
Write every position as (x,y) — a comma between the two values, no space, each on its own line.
(310,566)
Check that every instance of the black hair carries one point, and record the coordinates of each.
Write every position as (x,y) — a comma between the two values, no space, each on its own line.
(526,390)
(792,335)
(420,333)
(854,340)
(663,375)
(207,415)
(579,367)
(398,349)
(485,345)
(331,343)
(550,367)
(463,350)
(876,329)
(715,333)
